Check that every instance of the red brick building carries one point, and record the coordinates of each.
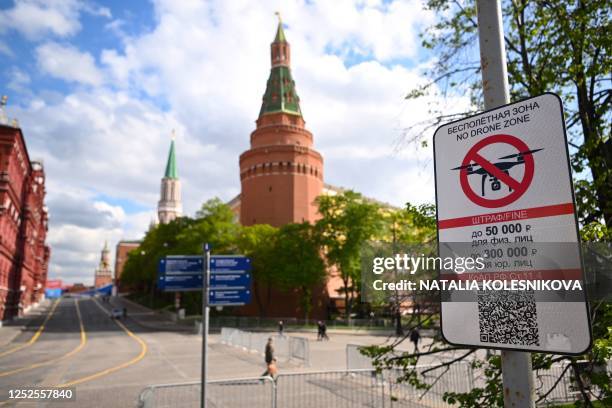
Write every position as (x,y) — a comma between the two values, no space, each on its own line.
(281,174)
(24,255)
(122,251)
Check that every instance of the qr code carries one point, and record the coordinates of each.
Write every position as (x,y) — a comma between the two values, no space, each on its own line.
(508,317)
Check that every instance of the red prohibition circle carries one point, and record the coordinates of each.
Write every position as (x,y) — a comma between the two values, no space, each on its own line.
(518,187)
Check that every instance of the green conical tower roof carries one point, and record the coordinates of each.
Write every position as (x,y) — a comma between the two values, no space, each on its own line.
(280,33)
(280,95)
(171,171)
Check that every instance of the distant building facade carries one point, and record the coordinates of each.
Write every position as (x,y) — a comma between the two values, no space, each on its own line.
(170,205)
(104,273)
(121,256)
(24,254)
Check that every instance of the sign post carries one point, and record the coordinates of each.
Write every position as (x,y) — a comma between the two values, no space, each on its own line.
(224,280)
(517,373)
(205,309)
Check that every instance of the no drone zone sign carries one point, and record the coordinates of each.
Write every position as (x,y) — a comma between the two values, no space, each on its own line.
(504,193)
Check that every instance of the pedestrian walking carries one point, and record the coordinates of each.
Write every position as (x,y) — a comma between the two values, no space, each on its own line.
(281,328)
(270,360)
(324,331)
(319,330)
(415,337)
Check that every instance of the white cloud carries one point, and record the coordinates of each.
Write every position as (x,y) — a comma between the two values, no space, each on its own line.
(202,70)
(75,251)
(36,19)
(79,225)
(68,63)
(18,80)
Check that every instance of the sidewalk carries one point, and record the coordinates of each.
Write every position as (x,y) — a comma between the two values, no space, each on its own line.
(11,329)
(148,318)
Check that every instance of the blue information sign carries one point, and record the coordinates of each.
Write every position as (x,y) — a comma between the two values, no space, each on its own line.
(229,263)
(180,283)
(229,297)
(178,265)
(232,280)
(180,273)
(230,277)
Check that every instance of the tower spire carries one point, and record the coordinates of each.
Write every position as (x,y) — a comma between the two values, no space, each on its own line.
(280,95)
(171,171)
(281,174)
(280,33)
(170,205)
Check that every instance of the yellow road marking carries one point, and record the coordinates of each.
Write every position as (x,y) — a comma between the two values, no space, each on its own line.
(143,352)
(56,359)
(36,335)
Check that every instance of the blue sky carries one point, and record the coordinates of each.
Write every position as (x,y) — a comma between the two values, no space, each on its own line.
(98,87)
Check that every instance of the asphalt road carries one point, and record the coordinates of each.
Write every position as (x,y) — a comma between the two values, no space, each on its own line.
(74,343)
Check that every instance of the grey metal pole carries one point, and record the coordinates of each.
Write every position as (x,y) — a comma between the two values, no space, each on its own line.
(516,366)
(205,283)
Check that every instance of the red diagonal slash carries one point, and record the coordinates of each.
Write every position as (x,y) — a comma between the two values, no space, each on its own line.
(496,172)
(518,188)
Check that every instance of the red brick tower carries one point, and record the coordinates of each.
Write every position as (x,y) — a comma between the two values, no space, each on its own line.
(281,174)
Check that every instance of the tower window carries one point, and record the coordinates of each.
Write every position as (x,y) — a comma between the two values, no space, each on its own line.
(270,189)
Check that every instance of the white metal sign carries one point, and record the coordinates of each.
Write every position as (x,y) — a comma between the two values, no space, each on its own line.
(504,193)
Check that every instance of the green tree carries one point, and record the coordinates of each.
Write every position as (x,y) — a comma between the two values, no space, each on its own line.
(407,230)
(347,222)
(298,262)
(141,266)
(215,223)
(562,47)
(258,242)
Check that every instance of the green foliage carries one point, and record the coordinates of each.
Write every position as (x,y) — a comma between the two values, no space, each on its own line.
(214,224)
(596,232)
(289,258)
(551,46)
(297,261)
(258,242)
(347,222)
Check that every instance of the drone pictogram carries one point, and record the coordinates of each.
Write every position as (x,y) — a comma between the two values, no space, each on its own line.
(498,173)
(503,166)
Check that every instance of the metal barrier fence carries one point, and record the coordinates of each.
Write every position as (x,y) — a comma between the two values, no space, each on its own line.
(272,323)
(337,389)
(356,360)
(287,348)
(557,382)
(245,392)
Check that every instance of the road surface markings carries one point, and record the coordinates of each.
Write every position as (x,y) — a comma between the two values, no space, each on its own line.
(56,359)
(143,352)
(36,335)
